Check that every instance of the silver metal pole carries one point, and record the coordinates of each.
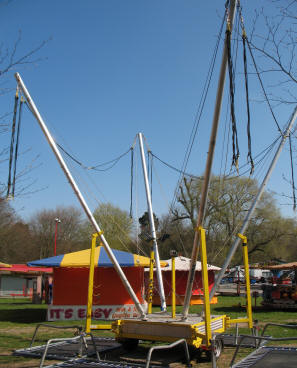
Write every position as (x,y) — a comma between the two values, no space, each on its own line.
(78,194)
(253,206)
(152,224)
(211,149)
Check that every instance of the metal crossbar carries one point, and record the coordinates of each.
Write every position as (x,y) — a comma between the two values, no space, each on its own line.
(78,328)
(166,347)
(81,338)
(259,355)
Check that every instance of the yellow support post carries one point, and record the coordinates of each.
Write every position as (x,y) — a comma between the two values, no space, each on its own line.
(173,301)
(91,284)
(151,282)
(205,285)
(247,280)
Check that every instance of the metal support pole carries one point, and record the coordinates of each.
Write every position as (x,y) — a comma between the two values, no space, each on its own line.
(57,220)
(78,194)
(173,289)
(206,303)
(151,283)
(211,149)
(247,280)
(256,200)
(91,283)
(152,225)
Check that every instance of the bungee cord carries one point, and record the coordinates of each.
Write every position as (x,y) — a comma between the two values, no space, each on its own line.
(17,145)
(235,145)
(11,153)
(199,110)
(292,174)
(112,162)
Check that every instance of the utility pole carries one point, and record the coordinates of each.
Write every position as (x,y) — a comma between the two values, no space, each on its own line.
(57,221)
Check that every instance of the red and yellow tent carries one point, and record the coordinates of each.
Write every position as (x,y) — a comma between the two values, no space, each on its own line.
(110,298)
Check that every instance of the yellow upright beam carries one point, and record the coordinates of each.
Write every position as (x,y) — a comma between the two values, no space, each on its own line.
(205,284)
(173,303)
(247,280)
(151,282)
(91,284)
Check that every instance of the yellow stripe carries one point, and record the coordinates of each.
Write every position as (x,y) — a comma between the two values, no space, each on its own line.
(80,258)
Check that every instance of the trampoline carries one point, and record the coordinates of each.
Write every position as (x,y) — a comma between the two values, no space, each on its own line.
(268,356)
(70,348)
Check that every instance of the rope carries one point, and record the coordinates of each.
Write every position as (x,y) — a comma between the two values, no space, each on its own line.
(235,145)
(15,110)
(17,145)
(292,174)
(250,158)
(151,173)
(199,110)
(95,168)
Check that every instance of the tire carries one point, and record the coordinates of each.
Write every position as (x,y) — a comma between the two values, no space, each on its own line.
(218,348)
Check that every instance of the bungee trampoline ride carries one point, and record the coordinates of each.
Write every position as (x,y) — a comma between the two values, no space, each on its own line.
(198,333)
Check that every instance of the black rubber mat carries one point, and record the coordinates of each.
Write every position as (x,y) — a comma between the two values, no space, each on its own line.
(85,363)
(69,349)
(270,357)
(230,340)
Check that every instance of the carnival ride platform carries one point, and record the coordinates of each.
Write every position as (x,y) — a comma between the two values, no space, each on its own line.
(162,327)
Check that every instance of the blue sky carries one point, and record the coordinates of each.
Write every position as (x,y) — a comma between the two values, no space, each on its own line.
(114,68)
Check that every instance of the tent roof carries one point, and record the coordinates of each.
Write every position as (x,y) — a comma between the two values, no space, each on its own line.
(284,266)
(82,259)
(183,264)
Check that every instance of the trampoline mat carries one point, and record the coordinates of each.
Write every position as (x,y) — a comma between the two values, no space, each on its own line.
(69,348)
(270,357)
(85,363)
(277,359)
(230,340)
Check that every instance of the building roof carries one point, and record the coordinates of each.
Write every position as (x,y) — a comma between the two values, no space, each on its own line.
(24,269)
(284,266)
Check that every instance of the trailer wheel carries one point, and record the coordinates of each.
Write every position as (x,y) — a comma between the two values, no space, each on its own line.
(217,348)
(129,344)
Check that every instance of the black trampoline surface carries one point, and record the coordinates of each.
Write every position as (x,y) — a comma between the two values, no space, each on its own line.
(230,340)
(270,357)
(85,363)
(69,348)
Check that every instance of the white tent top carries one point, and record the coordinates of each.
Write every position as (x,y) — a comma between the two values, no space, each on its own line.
(183,264)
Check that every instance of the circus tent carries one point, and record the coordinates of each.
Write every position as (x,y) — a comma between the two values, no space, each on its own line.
(110,298)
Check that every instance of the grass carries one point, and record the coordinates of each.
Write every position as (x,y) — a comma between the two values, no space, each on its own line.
(19,317)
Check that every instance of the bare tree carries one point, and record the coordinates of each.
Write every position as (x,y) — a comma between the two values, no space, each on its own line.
(273,39)
(43,227)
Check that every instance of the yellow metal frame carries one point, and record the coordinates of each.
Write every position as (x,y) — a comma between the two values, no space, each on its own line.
(100,327)
(91,283)
(151,282)
(196,337)
(173,300)
(205,284)
(249,319)
(247,280)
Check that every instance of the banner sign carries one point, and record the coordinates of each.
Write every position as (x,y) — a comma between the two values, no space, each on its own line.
(79,312)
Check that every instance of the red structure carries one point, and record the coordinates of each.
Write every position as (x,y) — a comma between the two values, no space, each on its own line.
(182,265)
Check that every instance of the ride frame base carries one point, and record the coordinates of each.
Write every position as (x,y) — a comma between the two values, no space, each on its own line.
(162,327)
